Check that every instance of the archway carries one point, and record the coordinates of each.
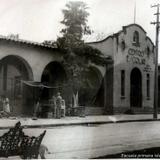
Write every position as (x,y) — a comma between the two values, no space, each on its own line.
(88,93)
(136,88)
(14,69)
(54,75)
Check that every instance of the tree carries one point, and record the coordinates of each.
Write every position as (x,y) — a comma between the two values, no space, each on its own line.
(75,21)
(100,36)
(49,43)
(77,55)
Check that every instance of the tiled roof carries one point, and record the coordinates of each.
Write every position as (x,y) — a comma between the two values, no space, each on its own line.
(9,38)
(45,44)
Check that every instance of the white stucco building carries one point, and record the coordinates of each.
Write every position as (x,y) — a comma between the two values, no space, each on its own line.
(126,82)
(130,79)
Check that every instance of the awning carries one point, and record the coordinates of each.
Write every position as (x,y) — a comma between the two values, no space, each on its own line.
(41,85)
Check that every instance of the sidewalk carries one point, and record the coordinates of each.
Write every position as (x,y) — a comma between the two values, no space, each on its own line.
(101,119)
(89,142)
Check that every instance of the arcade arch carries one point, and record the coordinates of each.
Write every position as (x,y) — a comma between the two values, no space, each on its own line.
(93,82)
(14,69)
(53,75)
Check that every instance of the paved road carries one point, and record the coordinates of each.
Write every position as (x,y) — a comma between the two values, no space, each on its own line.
(99,140)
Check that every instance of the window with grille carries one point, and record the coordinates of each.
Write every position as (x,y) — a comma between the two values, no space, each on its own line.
(148,86)
(136,38)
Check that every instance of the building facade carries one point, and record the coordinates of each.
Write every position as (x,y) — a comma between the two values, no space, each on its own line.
(23,65)
(31,72)
(130,79)
(34,71)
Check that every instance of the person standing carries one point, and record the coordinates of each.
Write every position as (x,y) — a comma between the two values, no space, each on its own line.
(58,105)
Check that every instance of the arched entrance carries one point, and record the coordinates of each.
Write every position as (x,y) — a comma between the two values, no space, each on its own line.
(88,93)
(14,69)
(53,75)
(136,88)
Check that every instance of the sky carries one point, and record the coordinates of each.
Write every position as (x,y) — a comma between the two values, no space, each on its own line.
(39,20)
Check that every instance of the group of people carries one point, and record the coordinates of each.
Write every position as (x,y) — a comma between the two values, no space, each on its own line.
(57,106)
(5,106)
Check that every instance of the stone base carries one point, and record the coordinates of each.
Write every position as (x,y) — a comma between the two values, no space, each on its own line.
(94,111)
(132,110)
(120,110)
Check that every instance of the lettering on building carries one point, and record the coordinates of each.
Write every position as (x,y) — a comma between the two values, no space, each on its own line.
(136,56)
(147,68)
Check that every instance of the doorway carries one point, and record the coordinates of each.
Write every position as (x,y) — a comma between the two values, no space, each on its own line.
(136,88)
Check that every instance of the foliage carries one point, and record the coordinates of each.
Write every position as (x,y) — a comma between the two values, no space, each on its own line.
(100,36)
(77,55)
(90,54)
(49,43)
(77,61)
(75,21)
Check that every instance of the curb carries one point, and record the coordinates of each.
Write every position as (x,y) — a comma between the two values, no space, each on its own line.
(80,123)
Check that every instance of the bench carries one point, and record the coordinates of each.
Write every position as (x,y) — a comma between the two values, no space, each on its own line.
(16,143)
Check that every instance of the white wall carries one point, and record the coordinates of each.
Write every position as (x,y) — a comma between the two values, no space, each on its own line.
(120,63)
(36,57)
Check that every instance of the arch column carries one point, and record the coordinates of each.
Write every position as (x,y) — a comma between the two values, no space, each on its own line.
(108,89)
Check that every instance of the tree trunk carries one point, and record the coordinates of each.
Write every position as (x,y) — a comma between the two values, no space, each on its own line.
(75,100)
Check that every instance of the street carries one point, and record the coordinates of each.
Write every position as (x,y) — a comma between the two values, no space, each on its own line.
(98,140)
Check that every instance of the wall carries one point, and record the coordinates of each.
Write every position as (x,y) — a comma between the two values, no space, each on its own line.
(122,54)
(36,57)
(105,46)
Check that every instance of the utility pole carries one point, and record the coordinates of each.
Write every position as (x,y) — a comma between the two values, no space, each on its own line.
(155,113)
(135,12)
